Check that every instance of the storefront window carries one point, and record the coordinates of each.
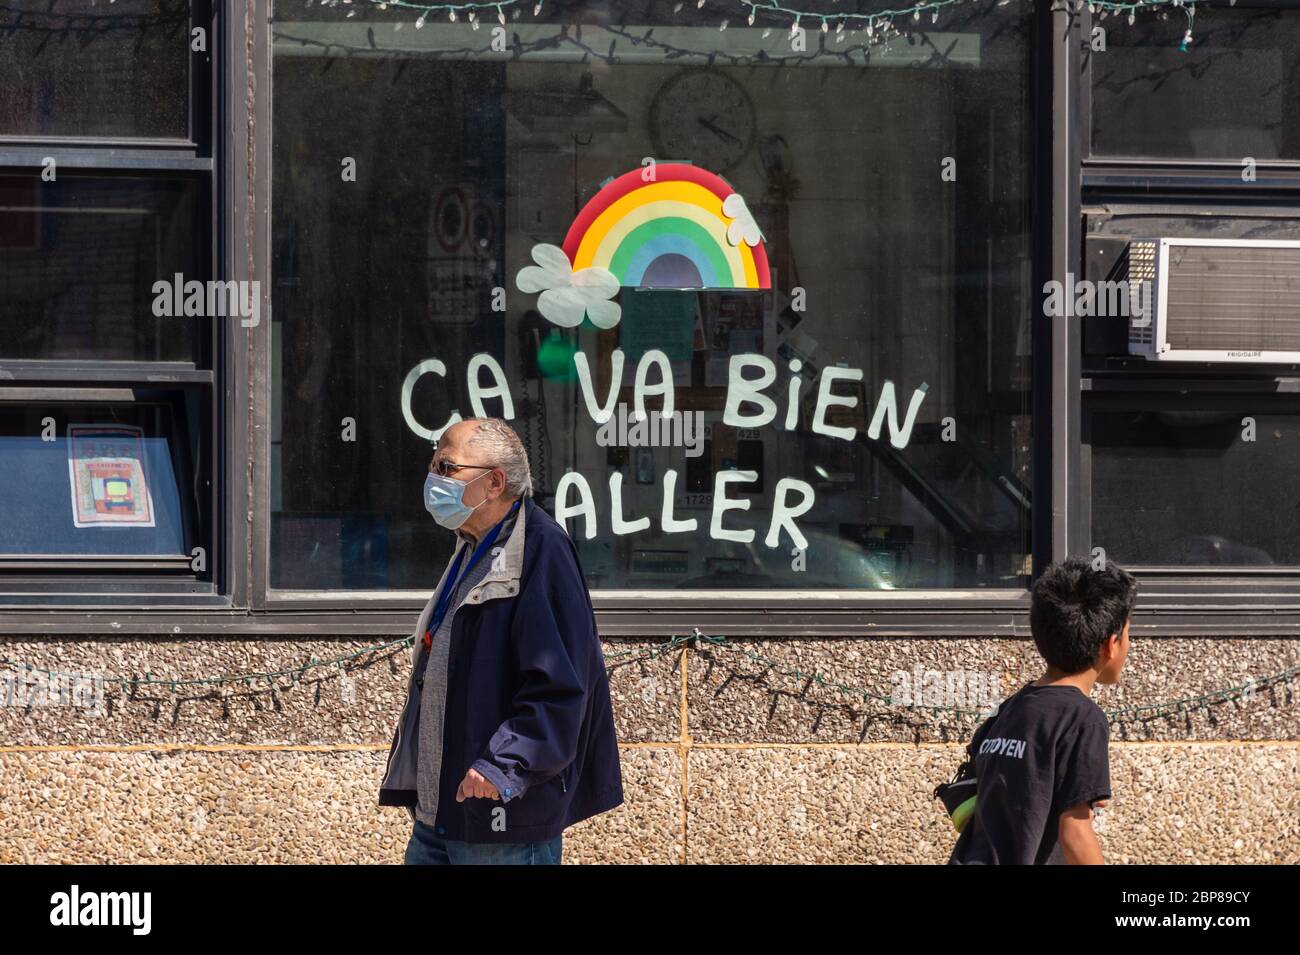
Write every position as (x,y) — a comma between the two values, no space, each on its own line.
(118,68)
(1184,453)
(1194,482)
(812,249)
(110,359)
(1232,91)
(122,471)
(79,257)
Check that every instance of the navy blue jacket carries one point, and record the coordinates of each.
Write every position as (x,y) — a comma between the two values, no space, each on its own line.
(528,701)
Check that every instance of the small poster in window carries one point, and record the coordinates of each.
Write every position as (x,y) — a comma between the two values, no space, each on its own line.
(662,320)
(106,465)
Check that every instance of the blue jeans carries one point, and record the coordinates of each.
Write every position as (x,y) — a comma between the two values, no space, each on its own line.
(428,848)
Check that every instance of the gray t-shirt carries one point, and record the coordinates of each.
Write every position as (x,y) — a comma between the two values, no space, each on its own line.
(433,695)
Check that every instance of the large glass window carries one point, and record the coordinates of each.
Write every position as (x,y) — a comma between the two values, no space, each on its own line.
(831,226)
(73,68)
(109,340)
(119,481)
(1195,481)
(80,258)
(1231,92)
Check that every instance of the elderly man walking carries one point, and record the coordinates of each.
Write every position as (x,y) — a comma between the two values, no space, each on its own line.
(507,736)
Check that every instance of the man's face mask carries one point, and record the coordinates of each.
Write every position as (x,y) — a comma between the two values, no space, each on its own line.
(444,498)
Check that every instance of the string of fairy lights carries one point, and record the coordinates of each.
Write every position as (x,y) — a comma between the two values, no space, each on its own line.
(880,24)
(638,37)
(288,677)
(874,26)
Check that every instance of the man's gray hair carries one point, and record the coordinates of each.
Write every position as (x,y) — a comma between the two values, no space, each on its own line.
(501,444)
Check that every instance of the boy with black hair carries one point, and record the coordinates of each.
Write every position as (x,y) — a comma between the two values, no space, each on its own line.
(1041,759)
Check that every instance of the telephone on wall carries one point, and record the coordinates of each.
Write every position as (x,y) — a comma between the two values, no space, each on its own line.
(532,330)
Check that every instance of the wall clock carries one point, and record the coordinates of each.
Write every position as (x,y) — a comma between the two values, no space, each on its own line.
(705,117)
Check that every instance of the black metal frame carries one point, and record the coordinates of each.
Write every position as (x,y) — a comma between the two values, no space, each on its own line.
(1240,601)
(951,612)
(111,583)
(1061,175)
(1118,394)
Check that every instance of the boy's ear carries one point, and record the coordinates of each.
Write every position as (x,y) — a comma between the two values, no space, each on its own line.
(1109,648)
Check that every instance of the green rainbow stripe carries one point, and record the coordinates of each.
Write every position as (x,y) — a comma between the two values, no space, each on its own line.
(686,235)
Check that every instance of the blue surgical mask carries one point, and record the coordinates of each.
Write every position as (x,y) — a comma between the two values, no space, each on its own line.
(444,499)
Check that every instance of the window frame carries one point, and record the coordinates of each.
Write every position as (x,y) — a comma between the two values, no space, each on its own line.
(84,583)
(149,149)
(1175,170)
(649,613)
(1061,178)
(1117,393)
(1187,601)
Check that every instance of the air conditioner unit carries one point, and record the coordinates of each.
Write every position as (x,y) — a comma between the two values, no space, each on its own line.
(1216,300)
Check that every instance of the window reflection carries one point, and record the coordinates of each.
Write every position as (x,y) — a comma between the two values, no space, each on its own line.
(79,257)
(74,68)
(1233,92)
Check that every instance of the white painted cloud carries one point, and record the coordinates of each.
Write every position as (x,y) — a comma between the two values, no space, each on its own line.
(567,296)
(742,227)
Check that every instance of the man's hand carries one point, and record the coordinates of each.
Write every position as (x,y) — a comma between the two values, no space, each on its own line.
(475,785)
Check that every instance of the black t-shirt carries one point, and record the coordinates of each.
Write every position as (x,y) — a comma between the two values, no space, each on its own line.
(1043,751)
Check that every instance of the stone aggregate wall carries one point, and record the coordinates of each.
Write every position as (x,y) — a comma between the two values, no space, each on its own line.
(759,751)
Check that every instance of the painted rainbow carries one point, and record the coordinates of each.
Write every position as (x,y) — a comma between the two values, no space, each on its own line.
(670,233)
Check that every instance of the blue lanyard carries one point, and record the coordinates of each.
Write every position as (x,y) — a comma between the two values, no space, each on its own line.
(454,576)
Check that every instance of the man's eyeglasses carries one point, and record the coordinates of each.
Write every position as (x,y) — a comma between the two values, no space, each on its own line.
(448,468)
